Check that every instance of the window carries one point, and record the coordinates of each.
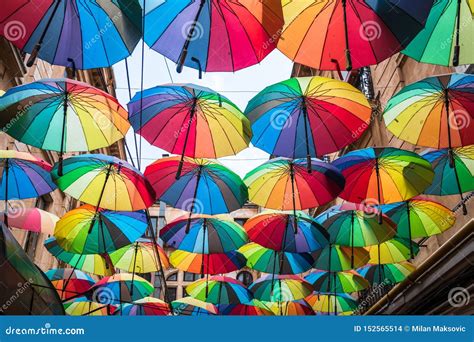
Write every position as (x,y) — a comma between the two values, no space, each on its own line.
(191,276)
(245,277)
(172,293)
(157,284)
(146,276)
(240,221)
(172,277)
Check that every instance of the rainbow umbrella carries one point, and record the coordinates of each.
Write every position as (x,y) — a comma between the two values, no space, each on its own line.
(290,308)
(332,303)
(307,117)
(446,38)
(82,34)
(220,290)
(390,273)
(121,288)
(189,120)
(84,307)
(105,182)
(215,263)
(207,234)
(277,262)
(350,33)
(276,230)
(147,306)
(383,175)
(213,35)
(454,172)
(189,306)
(337,282)
(32,219)
(255,308)
(140,257)
(87,231)
(280,288)
(434,112)
(69,282)
(336,258)
(62,115)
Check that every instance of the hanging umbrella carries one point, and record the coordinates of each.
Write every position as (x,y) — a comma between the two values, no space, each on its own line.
(32,219)
(147,306)
(81,34)
(69,282)
(216,263)
(213,35)
(307,117)
(280,288)
(63,115)
(332,303)
(349,33)
(434,112)
(276,230)
(392,251)
(337,282)
(383,175)
(220,290)
(189,306)
(390,273)
(290,308)
(189,120)
(83,230)
(121,288)
(255,308)
(446,37)
(335,258)
(104,182)
(207,234)
(84,307)
(277,262)
(140,257)
(454,172)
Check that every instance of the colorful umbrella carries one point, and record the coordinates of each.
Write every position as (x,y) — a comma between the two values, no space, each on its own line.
(454,172)
(390,273)
(213,35)
(84,307)
(69,282)
(32,219)
(446,37)
(216,263)
(63,115)
(392,251)
(350,33)
(140,257)
(206,235)
(337,282)
(307,117)
(280,288)
(87,231)
(189,120)
(189,306)
(81,34)
(105,182)
(290,308)
(255,308)
(276,230)
(332,303)
(277,262)
(335,258)
(121,288)
(147,306)
(435,112)
(220,290)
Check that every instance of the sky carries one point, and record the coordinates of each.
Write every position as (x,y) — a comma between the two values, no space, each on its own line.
(239,87)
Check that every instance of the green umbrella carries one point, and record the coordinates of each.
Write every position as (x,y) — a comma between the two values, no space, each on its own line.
(390,273)
(342,282)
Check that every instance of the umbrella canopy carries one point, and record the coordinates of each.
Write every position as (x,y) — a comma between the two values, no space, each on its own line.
(435,112)
(121,288)
(206,235)
(69,282)
(105,182)
(140,257)
(392,251)
(205,186)
(83,307)
(307,117)
(147,306)
(446,37)
(335,258)
(349,33)
(80,34)
(337,282)
(389,273)
(280,288)
(278,262)
(256,308)
(332,303)
(189,306)
(286,184)
(83,230)
(290,308)
(215,263)
(276,230)
(220,290)
(213,35)
(32,219)
(189,120)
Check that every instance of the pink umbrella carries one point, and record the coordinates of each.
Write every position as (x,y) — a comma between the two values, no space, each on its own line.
(32,219)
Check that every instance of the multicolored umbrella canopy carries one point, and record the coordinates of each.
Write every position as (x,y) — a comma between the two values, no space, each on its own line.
(256,308)
(80,34)
(307,117)
(147,306)
(87,231)
(446,37)
(213,35)
(337,282)
(63,115)
(189,306)
(349,33)
(69,282)
(215,263)
(105,182)
(290,308)
(389,273)
(32,219)
(276,230)
(454,172)
(392,251)
(84,307)
(280,288)
(435,112)
(277,262)
(90,263)
(140,257)
(207,234)
(121,288)
(189,120)
(220,290)
(332,303)
(335,258)
(287,184)
(205,186)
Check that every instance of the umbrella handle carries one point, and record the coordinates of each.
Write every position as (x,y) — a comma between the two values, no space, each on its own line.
(182,58)
(348,60)
(178,172)
(198,62)
(33,56)
(308,163)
